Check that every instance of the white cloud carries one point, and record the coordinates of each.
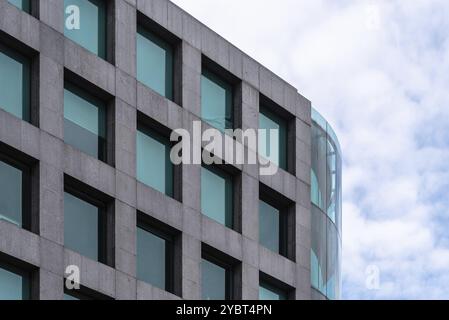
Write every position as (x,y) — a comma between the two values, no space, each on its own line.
(378,71)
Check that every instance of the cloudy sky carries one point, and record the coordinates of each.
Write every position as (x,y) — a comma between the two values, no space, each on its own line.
(379,72)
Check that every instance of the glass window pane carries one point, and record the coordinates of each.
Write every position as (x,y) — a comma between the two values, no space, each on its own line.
(69,297)
(10,194)
(14,83)
(269,292)
(319,250)
(270,148)
(21,4)
(269,232)
(151,258)
(154,63)
(13,286)
(216,101)
(81,223)
(319,167)
(91,33)
(154,167)
(213,281)
(216,195)
(84,122)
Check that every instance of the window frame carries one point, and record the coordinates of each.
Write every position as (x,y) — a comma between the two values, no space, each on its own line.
(105,216)
(169,262)
(26,275)
(229,272)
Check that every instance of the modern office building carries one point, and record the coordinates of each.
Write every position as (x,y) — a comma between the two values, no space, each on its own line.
(90,91)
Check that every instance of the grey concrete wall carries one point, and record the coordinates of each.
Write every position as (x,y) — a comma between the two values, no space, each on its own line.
(54,54)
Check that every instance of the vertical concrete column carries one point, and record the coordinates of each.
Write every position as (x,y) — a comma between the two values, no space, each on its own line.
(191,79)
(303,204)
(191,267)
(125,40)
(51,12)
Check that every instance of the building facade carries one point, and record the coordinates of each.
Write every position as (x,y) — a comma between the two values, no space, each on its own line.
(90,92)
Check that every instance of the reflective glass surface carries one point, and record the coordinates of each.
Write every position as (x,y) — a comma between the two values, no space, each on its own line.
(269,228)
(216,101)
(91,33)
(154,167)
(217,195)
(270,147)
(81,226)
(269,292)
(154,62)
(213,281)
(10,194)
(14,284)
(21,4)
(15,79)
(151,258)
(84,122)
(326,209)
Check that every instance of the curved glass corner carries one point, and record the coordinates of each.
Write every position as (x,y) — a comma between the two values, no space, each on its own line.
(326,208)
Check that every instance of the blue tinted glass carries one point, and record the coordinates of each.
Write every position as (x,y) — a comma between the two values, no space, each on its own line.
(84,122)
(213,281)
(154,167)
(216,101)
(69,297)
(269,232)
(270,148)
(151,258)
(269,292)
(216,195)
(14,83)
(81,222)
(13,286)
(91,33)
(10,194)
(21,4)
(154,63)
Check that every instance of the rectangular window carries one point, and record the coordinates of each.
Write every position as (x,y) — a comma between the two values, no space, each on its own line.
(271,227)
(14,283)
(84,121)
(217,195)
(85,24)
(215,280)
(155,257)
(155,63)
(216,101)
(154,167)
(86,224)
(271,147)
(269,292)
(24,5)
(15,192)
(15,82)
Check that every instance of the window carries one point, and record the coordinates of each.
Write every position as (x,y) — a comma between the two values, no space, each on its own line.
(155,257)
(154,167)
(215,280)
(216,101)
(271,148)
(270,292)
(15,192)
(155,62)
(217,195)
(84,121)
(88,221)
(15,82)
(271,227)
(15,283)
(91,31)
(83,293)
(24,5)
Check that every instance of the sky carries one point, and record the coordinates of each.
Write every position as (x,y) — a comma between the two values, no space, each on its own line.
(378,71)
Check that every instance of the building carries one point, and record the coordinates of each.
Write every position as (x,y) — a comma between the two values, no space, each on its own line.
(86,183)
